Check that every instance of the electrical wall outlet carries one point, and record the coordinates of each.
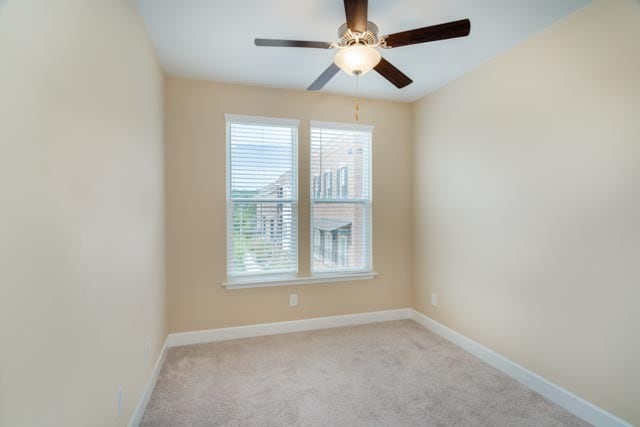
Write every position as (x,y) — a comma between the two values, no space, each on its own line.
(119,400)
(434,299)
(293,300)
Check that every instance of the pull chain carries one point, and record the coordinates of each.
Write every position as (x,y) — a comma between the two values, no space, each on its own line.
(357,113)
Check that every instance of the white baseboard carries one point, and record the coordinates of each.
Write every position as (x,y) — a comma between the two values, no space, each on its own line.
(564,398)
(138,412)
(211,335)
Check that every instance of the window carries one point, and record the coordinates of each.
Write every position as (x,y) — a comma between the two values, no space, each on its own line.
(341,219)
(262,195)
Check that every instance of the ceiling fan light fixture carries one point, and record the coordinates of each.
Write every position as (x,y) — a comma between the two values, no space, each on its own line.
(358,44)
(357,59)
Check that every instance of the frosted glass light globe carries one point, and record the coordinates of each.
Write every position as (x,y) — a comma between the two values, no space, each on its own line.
(357,59)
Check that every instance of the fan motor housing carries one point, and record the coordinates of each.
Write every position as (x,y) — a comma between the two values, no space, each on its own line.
(369,37)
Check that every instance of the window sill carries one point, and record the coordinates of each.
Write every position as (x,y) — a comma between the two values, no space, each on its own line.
(265,281)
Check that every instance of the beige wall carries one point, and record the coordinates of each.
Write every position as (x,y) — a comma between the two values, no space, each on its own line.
(196,225)
(527,222)
(525,177)
(81,223)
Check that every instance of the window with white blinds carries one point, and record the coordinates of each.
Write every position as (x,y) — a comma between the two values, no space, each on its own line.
(262,195)
(340,197)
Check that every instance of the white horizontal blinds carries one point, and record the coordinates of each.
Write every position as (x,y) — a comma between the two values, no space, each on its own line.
(340,197)
(262,197)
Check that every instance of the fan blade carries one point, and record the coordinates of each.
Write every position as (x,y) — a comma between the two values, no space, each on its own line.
(356,12)
(387,70)
(292,43)
(324,77)
(433,33)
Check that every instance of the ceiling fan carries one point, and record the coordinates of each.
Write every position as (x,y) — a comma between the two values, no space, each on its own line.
(359,42)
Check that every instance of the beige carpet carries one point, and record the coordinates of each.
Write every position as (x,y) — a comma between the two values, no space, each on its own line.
(384,374)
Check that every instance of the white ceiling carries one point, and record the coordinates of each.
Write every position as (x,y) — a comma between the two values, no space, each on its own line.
(213,39)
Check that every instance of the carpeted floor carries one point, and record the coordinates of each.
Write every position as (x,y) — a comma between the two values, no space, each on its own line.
(383,374)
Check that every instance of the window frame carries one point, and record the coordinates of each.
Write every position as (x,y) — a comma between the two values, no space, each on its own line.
(289,279)
(294,200)
(368,202)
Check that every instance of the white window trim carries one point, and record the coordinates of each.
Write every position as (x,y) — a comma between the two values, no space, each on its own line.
(261,120)
(267,121)
(291,279)
(354,127)
(288,280)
